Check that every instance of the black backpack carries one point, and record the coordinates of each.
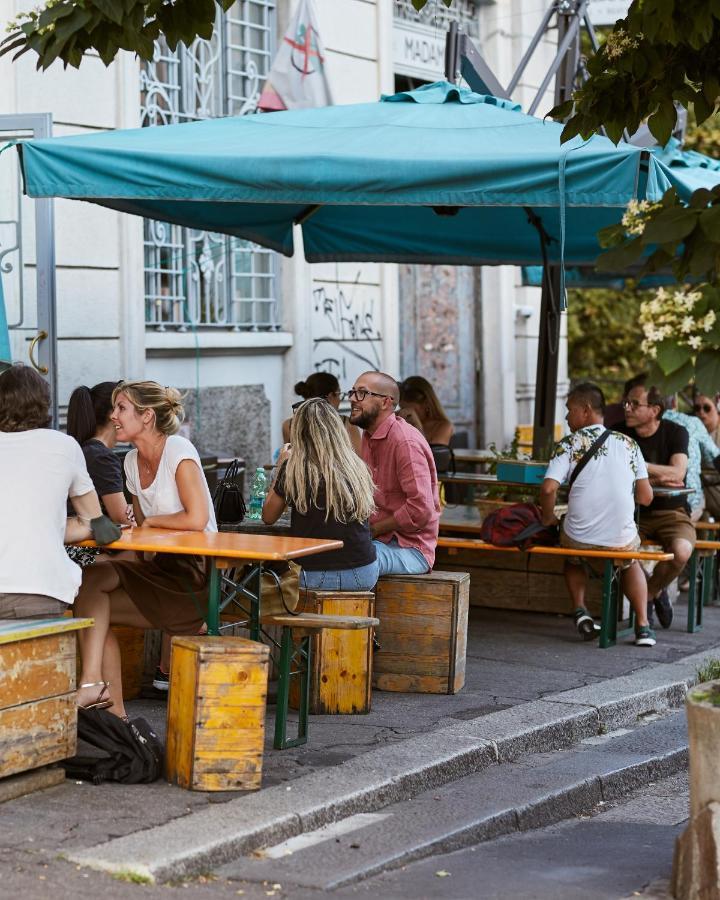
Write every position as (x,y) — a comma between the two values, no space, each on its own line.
(228,499)
(134,754)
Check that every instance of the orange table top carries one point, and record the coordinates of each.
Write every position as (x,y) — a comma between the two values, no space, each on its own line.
(226,545)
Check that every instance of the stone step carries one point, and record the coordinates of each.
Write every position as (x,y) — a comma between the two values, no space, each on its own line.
(535,791)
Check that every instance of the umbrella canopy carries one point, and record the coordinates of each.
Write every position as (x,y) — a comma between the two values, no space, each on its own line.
(469,167)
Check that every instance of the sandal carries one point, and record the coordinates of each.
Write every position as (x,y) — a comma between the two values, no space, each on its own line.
(100,702)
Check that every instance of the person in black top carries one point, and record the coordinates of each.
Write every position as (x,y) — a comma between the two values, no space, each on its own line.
(88,421)
(330,493)
(664,445)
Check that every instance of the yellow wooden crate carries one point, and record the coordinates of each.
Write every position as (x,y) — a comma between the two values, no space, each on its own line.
(341,661)
(38,714)
(216,713)
(422,632)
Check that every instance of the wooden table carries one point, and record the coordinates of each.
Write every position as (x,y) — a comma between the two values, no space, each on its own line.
(226,551)
(475,457)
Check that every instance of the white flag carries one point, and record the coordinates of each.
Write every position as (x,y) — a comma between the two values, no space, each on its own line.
(298,79)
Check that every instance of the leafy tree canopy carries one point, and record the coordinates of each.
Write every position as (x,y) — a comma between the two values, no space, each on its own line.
(663,52)
(68,29)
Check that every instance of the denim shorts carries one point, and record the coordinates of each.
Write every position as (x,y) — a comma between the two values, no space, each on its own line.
(364,578)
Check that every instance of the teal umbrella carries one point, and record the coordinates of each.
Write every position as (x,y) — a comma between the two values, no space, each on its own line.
(436,175)
(5,355)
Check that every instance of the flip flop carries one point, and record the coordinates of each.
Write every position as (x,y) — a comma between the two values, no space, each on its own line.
(100,701)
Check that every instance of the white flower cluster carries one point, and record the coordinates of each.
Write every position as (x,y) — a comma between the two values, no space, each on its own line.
(619,42)
(674,314)
(637,214)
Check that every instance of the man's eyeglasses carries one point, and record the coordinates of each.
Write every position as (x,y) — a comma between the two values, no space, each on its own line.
(352,394)
(634,404)
(702,407)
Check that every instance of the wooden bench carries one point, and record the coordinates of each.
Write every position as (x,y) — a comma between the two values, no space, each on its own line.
(296,649)
(702,579)
(422,632)
(611,609)
(38,713)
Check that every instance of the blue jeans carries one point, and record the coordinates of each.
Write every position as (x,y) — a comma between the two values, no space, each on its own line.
(364,578)
(397,560)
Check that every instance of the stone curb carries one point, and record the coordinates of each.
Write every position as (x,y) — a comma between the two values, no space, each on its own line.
(219,833)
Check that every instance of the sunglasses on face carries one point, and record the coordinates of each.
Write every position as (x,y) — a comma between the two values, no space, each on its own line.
(702,407)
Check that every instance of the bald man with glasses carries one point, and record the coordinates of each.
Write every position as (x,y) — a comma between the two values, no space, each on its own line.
(405,523)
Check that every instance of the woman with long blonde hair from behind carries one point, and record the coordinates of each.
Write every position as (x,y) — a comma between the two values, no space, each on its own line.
(330,493)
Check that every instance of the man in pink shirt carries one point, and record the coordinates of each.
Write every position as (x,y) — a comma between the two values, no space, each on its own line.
(405,523)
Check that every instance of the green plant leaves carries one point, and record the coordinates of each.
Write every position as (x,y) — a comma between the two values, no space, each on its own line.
(707,372)
(672,356)
(70,28)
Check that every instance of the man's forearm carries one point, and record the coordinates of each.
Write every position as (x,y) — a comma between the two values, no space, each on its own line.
(666,474)
(77,530)
(547,506)
(383,526)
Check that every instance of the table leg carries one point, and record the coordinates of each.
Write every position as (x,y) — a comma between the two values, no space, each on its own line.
(692,592)
(213,619)
(608,624)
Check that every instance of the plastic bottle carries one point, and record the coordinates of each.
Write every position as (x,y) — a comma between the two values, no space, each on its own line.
(258,490)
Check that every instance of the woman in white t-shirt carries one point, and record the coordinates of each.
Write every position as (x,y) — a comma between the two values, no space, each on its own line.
(169,490)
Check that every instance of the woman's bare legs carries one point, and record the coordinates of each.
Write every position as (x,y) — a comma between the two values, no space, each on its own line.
(102,598)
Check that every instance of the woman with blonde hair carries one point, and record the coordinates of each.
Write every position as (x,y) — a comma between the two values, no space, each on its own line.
(168,489)
(420,406)
(330,493)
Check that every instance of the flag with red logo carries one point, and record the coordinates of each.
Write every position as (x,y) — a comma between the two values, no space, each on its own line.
(298,77)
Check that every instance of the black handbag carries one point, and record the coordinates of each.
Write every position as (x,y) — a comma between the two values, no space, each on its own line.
(228,500)
(444,459)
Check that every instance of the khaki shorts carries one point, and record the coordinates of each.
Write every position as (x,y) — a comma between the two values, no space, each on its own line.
(571,544)
(667,525)
(30,606)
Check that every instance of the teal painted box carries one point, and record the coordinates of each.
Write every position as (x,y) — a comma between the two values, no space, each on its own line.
(520,471)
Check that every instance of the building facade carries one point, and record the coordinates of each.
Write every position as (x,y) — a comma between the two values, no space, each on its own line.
(232,323)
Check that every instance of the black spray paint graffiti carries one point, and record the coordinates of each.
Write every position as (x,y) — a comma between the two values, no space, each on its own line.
(349,341)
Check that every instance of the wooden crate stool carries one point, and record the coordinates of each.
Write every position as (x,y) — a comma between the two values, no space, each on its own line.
(296,662)
(216,713)
(422,632)
(340,674)
(38,715)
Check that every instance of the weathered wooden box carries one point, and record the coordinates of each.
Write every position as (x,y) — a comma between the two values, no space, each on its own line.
(38,715)
(341,661)
(216,713)
(422,632)
(526,581)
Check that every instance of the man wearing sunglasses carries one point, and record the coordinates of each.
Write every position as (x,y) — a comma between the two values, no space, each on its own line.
(664,446)
(405,523)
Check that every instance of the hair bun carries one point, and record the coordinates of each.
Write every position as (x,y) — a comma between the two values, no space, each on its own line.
(301,389)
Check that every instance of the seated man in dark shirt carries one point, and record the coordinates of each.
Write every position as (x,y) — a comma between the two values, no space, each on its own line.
(664,445)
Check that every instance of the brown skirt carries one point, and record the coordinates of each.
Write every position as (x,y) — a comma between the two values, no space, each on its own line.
(171,591)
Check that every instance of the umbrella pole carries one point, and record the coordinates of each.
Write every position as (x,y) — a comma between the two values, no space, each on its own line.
(547,363)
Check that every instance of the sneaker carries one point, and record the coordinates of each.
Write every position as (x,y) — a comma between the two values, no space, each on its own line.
(586,626)
(644,637)
(663,609)
(161,681)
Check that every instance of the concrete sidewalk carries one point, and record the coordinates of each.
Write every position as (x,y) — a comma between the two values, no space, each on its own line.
(558,686)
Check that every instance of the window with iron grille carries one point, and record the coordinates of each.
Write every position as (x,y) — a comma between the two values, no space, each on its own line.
(196,278)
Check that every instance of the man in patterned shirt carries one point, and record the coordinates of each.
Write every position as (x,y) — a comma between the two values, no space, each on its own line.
(601,504)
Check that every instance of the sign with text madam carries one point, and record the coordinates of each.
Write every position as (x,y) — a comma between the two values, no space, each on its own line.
(607,12)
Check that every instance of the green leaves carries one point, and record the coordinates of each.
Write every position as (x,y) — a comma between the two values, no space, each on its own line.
(663,51)
(672,356)
(68,29)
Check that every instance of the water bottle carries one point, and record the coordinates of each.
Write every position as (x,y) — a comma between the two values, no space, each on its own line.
(258,490)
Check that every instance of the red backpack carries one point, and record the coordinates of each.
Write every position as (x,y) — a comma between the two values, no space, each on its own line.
(519,525)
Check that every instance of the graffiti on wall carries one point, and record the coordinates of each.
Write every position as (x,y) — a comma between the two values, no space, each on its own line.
(347,339)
